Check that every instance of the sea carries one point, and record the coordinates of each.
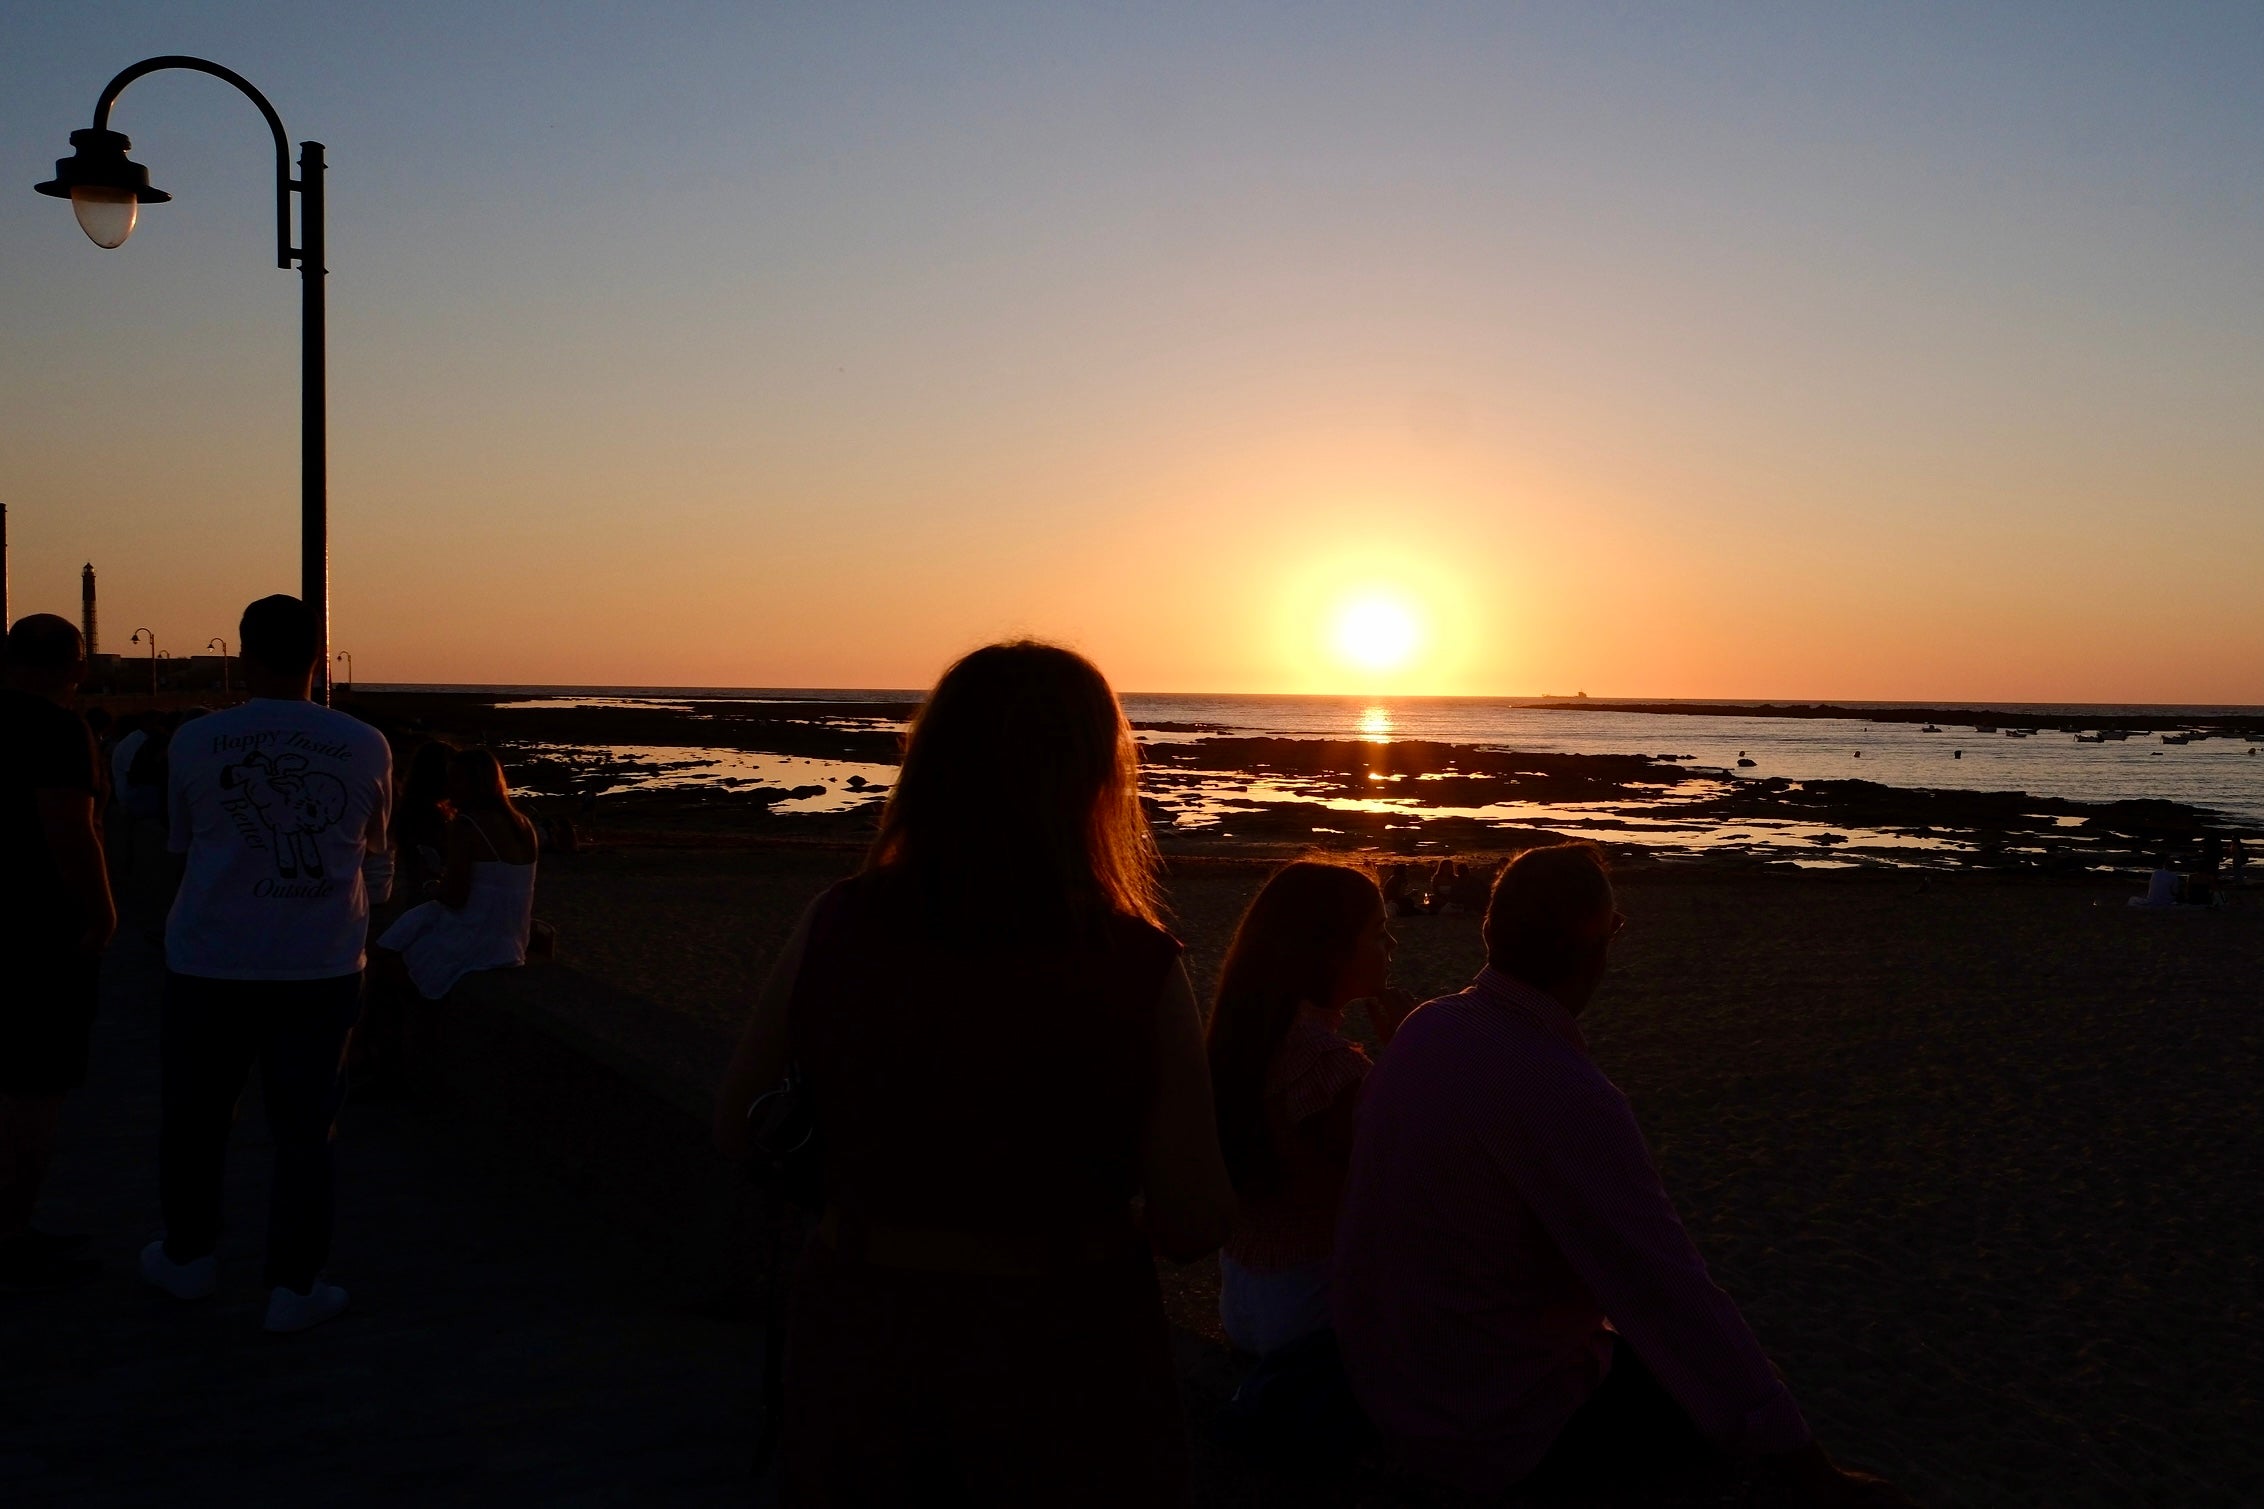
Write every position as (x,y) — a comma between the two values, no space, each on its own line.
(2215,771)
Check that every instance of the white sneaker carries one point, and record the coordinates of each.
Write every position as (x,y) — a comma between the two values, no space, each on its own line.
(289,1310)
(192,1280)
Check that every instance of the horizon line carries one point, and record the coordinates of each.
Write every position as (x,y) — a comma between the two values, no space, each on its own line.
(1537,699)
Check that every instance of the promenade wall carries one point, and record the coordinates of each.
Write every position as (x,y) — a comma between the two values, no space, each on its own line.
(624,1138)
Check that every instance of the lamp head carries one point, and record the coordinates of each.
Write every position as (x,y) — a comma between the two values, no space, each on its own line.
(106,188)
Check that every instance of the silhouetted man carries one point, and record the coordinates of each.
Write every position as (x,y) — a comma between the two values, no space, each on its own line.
(1502,1206)
(55,920)
(281,808)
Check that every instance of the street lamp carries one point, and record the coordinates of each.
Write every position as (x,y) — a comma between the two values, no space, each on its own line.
(137,639)
(107,190)
(348,657)
(216,642)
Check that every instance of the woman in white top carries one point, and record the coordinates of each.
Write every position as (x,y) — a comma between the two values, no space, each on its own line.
(485,897)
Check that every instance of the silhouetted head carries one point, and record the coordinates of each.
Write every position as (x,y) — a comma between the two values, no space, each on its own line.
(1314,935)
(280,641)
(1551,919)
(45,656)
(475,782)
(1018,797)
(425,786)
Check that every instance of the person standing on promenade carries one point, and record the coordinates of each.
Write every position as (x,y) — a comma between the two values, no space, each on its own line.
(280,807)
(1515,1297)
(1003,1053)
(55,921)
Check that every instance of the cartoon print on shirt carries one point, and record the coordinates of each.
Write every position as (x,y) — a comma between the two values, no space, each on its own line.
(292,802)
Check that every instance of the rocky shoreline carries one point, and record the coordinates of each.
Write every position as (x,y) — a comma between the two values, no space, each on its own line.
(2241,725)
(1216,793)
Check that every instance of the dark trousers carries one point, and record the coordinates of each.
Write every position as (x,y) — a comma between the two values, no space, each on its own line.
(1629,1432)
(214,1031)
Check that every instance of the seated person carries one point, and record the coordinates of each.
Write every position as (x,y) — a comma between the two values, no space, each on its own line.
(1314,940)
(420,818)
(1516,1300)
(484,900)
(1398,886)
(2165,886)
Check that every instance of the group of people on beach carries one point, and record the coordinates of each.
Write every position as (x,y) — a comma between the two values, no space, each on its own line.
(274,826)
(1457,1253)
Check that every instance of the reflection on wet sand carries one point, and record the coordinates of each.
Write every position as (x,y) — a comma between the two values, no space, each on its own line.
(701,763)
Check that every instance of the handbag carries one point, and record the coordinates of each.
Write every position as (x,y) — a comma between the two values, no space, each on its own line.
(783,1133)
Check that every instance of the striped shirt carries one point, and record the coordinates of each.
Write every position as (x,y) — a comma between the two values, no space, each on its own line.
(1501,1206)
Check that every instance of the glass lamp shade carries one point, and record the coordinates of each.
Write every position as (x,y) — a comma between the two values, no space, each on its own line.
(106,214)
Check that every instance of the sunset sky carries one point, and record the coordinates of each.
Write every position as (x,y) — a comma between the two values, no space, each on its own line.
(1883,351)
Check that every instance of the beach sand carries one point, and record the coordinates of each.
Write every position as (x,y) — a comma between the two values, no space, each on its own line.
(1977,1155)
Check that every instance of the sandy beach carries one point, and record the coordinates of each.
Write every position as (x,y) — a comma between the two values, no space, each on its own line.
(1976,1154)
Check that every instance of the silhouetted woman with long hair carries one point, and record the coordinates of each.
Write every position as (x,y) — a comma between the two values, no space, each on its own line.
(1005,1061)
(420,818)
(1314,940)
(483,899)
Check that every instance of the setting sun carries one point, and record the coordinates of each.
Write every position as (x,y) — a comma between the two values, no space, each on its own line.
(1376,633)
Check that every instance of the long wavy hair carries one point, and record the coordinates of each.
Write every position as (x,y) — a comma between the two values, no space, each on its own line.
(1291,947)
(476,784)
(1019,795)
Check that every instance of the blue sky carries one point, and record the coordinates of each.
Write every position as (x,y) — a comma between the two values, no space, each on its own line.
(1704,350)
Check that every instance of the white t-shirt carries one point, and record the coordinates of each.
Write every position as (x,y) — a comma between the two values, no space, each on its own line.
(276,804)
(122,760)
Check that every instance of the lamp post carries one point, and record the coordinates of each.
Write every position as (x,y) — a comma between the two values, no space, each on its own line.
(222,645)
(107,191)
(137,639)
(348,657)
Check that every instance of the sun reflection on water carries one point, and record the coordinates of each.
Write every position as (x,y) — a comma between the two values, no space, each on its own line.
(1375,724)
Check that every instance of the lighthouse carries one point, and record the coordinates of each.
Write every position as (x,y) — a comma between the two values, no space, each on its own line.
(86,607)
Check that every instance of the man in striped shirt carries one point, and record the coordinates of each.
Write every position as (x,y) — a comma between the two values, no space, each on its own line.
(1514,1295)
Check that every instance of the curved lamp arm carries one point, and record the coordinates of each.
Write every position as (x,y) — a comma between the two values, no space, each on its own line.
(284,251)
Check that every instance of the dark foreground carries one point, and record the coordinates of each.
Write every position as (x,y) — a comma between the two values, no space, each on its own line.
(504,1346)
(1977,1155)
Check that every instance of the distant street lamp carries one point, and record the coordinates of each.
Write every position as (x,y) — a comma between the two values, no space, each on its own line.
(137,639)
(348,657)
(107,191)
(222,646)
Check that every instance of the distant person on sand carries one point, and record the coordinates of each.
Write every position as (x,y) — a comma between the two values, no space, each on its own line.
(483,903)
(2205,886)
(1003,1053)
(1313,941)
(1502,1208)
(280,807)
(54,923)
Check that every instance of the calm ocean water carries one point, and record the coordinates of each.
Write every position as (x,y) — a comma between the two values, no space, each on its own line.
(2225,774)
(2219,773)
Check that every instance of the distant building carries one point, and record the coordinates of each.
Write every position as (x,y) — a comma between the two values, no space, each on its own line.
(86,608)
